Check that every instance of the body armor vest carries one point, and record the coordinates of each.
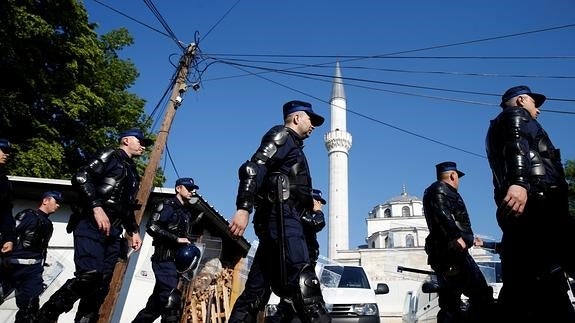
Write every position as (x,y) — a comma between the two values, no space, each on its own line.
(36,235)
(280,151)
(520,152)
(446,215)
(113,179)
(170,221)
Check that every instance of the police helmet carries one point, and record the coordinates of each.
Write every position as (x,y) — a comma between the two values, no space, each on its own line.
(187,257)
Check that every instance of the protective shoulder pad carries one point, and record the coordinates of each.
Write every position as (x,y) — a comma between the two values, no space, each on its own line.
(105,155)
(20,215)
(274,138)
(278,135)
(441,188)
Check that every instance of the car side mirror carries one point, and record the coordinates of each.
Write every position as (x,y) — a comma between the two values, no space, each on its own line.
(382,288)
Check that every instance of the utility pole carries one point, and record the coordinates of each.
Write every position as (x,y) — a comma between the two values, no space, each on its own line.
(180,87)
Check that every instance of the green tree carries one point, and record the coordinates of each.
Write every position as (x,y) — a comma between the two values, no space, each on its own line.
(65,89)
(570,176)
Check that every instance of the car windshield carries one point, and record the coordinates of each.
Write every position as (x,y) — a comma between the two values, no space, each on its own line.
(344,277)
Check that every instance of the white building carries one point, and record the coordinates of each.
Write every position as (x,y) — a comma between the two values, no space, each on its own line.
(139,278)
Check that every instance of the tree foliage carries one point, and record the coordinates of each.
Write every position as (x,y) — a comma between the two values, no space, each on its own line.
(65,89)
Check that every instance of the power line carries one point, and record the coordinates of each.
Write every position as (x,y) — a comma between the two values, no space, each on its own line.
(163,22)
(327,78)
(393,54)
(221,19)
(172,161)
(367,68)
(131,18)
(390,56)
(368,117)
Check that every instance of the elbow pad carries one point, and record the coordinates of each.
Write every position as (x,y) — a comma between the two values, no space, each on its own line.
(516,151)
(247,174)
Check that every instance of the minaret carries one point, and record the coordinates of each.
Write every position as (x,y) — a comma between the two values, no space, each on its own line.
(338,143)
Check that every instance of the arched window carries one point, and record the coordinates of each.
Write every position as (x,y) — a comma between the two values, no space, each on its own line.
(409,241)
(405,211)
(387,213)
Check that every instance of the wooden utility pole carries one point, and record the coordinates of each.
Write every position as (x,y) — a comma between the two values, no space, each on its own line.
(107,309)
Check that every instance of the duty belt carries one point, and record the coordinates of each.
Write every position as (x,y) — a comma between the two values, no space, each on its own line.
(21,261)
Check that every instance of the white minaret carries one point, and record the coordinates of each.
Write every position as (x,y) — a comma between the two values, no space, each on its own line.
(338,143)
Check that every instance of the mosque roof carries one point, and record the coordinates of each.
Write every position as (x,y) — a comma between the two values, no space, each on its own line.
(403,197)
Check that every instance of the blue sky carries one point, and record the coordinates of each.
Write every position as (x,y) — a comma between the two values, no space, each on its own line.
(429,96)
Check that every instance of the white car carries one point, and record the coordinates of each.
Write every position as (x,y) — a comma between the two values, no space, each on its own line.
(347,292)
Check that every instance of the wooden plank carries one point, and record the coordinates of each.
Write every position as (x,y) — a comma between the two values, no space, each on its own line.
(226,297)
(237,281)
(217,301)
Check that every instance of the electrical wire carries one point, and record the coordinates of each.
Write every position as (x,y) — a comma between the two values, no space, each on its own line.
(221,19)
(367,68)
(368,117)
(131,18)
(171,161)
(327,78)
(163,22)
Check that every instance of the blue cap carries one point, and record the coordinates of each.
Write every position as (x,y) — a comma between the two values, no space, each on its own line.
(138,134)
(188,182)
(522,89)
(55,194)
(447,166)
(294,106)
(5,146)
(317,196)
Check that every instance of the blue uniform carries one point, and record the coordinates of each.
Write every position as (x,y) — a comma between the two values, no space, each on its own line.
(34,231)
(534,286)
(457,272)
(170,221)
(280,154)
(109,181)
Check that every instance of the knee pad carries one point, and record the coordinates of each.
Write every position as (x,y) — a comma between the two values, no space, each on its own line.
(90,280)
(308,302)
(64,298)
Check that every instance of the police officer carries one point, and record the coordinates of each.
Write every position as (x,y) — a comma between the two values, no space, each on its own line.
(531,194)
(7,223)
(257,290)
(450,237)
(277,181)
(34,230)
(107,187)
(170,225)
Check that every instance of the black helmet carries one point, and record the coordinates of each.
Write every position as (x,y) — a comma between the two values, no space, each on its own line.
(187,257)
